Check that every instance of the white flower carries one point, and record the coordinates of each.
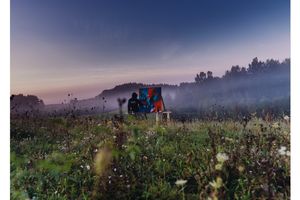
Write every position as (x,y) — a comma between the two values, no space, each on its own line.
(222,157)
(88,167)
(180,182)
(219,166)
(282,148)
(286,118)
(217,183)
(282,151)
(275,125)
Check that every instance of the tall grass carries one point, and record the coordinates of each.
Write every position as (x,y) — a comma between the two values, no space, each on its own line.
(94,158)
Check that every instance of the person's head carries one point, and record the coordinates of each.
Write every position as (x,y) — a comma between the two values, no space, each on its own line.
(134,95)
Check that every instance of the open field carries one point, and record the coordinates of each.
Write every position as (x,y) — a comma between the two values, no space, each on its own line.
(94,158)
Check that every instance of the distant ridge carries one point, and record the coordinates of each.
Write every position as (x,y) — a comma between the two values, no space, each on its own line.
(129,87)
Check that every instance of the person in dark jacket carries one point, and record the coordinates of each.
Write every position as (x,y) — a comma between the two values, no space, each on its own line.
(134,104)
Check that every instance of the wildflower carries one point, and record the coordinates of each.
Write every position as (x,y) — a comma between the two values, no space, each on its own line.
(150,133)
(217,183)
(219,166)
(180,182)
(229,139)
(88,167)
(222,157)
(275,125)
(241,168)
(282,150)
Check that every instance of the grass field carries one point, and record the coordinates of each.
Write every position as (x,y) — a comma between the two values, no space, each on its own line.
(95,158)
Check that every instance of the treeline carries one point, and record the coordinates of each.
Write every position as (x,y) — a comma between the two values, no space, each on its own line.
(25,104)
(256,67)
(262,87)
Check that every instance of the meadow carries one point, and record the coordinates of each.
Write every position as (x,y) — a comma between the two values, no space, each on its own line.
(94,157)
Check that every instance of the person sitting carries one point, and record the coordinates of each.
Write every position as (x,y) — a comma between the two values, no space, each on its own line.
(133,104)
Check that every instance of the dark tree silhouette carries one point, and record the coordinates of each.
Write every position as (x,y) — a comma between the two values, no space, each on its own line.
(200,78)
(255,66)
(20,103)
(209,75)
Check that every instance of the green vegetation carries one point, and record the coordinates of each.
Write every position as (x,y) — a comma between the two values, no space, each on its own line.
(94,158)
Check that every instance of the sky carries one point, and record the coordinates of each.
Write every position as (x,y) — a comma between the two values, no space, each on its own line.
(86,46)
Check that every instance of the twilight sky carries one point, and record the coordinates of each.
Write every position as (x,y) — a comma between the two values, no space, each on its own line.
(85,46)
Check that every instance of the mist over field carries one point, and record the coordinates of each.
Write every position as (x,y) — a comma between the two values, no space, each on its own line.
(263,86)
